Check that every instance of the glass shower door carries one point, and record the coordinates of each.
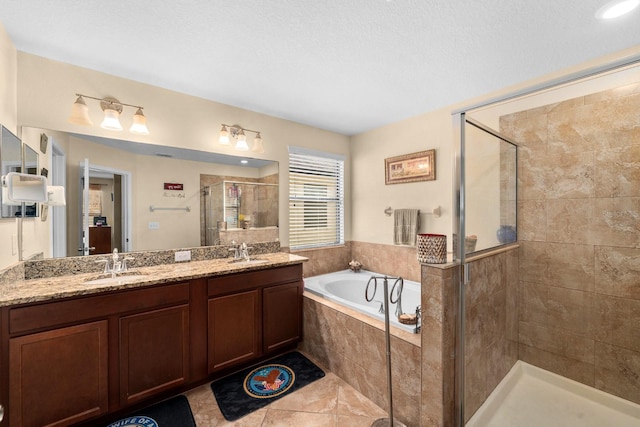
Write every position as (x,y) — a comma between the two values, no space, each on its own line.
(486,348)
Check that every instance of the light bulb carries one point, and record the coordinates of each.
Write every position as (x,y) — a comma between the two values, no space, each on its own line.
(224,136)
(111,121)
(80,113)
(139,125)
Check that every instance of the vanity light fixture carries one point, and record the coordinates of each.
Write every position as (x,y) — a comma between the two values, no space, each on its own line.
(238,132)
(112,109)
(616,8)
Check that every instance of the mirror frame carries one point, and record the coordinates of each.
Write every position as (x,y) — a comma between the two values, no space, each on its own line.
(8,211)
(29,157)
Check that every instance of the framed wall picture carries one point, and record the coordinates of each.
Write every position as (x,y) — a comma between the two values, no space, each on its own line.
(412,167)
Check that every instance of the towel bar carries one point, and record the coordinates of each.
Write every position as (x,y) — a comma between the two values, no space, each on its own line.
(156,208)
(436,212)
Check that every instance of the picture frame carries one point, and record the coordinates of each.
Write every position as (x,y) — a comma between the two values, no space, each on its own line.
(414,167)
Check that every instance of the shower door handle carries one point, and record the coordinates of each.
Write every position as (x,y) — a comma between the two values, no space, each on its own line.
(467,274)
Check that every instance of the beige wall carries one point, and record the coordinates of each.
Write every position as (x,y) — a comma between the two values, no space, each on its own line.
(8,118)
(370,195)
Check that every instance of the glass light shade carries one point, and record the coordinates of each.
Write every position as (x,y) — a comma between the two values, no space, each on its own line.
(111,121)
(224,136)
(139,125)
(241,144)
(257,145)
(616,8)
(80,113)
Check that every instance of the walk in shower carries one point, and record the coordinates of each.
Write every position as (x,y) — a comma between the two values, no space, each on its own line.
(562,306)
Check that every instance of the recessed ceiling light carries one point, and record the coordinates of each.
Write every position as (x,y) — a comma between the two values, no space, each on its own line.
(616,8)
(244,162)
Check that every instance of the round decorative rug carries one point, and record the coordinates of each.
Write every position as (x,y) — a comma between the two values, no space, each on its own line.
(135,422)
(269,381)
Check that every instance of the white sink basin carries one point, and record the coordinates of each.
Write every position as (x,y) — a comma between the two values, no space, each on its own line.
(118,280)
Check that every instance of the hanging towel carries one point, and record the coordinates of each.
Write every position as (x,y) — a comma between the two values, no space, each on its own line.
(406,226)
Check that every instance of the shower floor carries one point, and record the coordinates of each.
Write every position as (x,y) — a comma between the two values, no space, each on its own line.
(531,397)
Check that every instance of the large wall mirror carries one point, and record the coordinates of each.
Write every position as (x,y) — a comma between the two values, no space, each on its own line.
(136,196)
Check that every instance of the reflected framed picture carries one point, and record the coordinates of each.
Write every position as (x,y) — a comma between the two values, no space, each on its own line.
(414,167)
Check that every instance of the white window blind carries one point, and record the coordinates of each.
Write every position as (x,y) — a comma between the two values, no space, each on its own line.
(316,199)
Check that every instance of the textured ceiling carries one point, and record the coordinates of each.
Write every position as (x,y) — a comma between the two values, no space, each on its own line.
(342,65)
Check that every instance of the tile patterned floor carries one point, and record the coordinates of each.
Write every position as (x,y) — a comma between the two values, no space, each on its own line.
(327,402)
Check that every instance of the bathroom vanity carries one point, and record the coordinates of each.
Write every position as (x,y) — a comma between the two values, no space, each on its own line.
(76,352)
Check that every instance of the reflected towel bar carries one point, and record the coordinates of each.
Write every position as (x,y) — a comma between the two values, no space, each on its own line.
(436,212)
(155,208)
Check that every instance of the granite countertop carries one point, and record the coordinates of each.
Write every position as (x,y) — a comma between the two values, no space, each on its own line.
(29,291)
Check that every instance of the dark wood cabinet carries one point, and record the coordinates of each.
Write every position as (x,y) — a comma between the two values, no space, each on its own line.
(154,352)
(234,329)
(59,377)
(80,359)
(282,316)
(75,359)
(253,314)
(100,240)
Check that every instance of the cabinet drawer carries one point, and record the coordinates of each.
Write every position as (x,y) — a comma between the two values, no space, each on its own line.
(51,314)
(254,279)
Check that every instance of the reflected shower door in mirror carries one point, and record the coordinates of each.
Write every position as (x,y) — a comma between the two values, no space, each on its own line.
(490,188)
(160,215)
(10,161)
(240,210)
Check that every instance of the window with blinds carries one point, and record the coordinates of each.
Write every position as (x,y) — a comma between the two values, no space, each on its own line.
(316,199)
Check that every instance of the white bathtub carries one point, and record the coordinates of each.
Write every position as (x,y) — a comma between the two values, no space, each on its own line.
(348,288)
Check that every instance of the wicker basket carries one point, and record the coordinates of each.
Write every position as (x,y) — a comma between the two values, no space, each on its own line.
(432,248)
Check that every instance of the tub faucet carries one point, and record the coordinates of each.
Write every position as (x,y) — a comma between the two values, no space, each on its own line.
(418,327)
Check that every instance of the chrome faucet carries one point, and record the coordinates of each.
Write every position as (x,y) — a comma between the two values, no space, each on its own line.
(244,251)
(240,252)
(118,264)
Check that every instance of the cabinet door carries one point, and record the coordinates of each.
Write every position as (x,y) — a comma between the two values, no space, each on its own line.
(154,352)
(234,329)
(59,377)
(282,315)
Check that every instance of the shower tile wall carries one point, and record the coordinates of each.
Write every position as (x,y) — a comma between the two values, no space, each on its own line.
(579,234)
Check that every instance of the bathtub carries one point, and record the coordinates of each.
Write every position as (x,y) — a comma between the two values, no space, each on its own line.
(348,288)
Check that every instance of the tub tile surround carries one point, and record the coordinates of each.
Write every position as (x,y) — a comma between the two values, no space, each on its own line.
(392,260)
(439,303)
(580,238)
(353,347)
(325,260)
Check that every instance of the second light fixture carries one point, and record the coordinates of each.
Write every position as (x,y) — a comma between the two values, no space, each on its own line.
(238,132)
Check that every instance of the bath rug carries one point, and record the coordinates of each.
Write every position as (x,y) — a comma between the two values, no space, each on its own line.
(253,388)
(174,412)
